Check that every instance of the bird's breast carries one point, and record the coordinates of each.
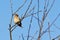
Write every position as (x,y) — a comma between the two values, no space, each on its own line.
(16,19)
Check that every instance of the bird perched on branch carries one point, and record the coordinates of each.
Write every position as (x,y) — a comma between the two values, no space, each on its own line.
(17,20)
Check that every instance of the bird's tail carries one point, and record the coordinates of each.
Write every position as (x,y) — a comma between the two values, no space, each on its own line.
(20,24)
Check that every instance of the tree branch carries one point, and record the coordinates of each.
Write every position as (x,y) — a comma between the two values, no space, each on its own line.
(27,10)
(51,24)
(20,6)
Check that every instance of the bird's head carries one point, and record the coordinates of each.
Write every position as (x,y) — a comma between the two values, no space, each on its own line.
(15,14)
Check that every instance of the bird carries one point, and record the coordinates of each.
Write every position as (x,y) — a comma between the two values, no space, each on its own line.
(17,20)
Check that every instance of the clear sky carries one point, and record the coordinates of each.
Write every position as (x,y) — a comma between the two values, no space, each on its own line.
(5,15)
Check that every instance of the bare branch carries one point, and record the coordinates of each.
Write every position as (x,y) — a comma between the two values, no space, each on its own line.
(50,7)
(47,3)
(56,37)
(11,20)
(11,6)
(31,37)
(56,26)
(27,10)
(51,24)
(49,30)
(31,14)
(34,35)
(22,37)
(37,18)
(10,32)
(19,37)
(10,35)
(38,22)
(29,27)
(38,14)
(20,6)
(11,11)
(13,28)
(31,9)
(47,11)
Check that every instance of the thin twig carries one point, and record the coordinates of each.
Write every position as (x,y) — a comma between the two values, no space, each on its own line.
(56,37)
(51,24)
(45,10)
(30,26)
(46,16)
(43,17)
(49,30)
(31,14)
(50,7)
(22,37)
(36,18)
(47,4)
(34,35)
(11,11)
(11,20)
(56,26)
(27,10)
(19,37)
(31,9)
(20,6)
(31,37)
(38,21)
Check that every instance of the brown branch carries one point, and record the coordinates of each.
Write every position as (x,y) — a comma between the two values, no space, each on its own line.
(38,22)
(46,12)
(43,18)
(38,14)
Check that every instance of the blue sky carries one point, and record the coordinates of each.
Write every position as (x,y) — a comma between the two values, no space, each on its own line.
(5,15)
